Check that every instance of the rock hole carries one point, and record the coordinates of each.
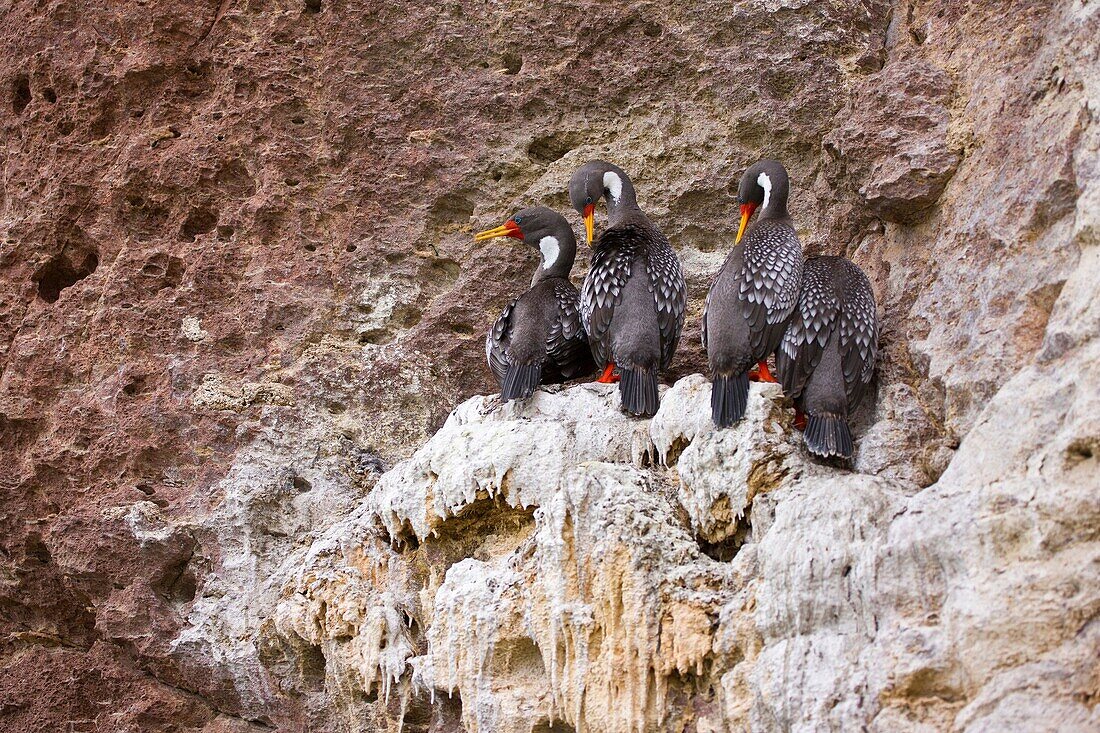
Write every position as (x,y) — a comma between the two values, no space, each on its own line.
(298,120)
(559,726)
(185,587)
(462,329)
(726,549)
(301,484)
(137,114)
(134,387)
(168,269)
(312,662)
(36,549)
(674,450)
(1081,449)
(216,116)
(20,93)
(152,269)
(146,489)
(448,269)
(519,657)
(424,716)
(225,232)
(49,95)
(513,62)
(350,248)
(653,30)
(313,6)
(292,182)
(722,551)
(545,149)
(60,273)
(311,248)
(368,462)
(199,221)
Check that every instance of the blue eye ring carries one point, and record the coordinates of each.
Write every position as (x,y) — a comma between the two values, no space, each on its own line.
(517,219)
(587,199)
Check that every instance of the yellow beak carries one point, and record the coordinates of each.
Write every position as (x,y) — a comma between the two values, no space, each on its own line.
(589,221)
(746,213)
(507,229)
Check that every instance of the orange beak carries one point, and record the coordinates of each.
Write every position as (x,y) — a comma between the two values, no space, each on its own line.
(507,229)
(589,221)
(746,213)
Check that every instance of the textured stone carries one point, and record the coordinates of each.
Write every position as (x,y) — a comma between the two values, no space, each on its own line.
(894,142)
(238,285)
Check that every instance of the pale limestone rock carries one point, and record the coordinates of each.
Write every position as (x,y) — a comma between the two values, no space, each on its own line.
(192,330)
(851,600)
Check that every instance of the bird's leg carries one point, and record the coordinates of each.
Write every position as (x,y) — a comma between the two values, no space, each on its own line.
(763,374)
(608,376)
(799,419)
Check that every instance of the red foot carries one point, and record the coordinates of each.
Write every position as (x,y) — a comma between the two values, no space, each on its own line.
(763,374)
(800,420)
(608,376)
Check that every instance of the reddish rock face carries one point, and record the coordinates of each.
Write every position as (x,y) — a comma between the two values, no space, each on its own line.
(230,225)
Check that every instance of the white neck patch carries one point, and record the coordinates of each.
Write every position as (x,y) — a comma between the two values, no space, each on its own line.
(613,183)
(766,184)
(549,248)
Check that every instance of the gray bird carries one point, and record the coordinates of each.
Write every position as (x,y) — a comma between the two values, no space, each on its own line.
(827,356)
(539,339)
(754,294)
(634,296)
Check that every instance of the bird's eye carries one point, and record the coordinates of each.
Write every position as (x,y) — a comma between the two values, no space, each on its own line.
(517,219)
(587,200)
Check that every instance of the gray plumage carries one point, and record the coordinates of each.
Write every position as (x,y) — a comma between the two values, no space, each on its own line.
(754,294)
(634,296)
(827,357)
(538,338)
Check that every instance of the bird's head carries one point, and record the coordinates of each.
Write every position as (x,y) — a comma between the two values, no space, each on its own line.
(596,180)
(542,229)
(764,186)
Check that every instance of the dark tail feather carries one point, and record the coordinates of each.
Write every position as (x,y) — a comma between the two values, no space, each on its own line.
(638,390)
(728,398)
(828,436)
(520,381)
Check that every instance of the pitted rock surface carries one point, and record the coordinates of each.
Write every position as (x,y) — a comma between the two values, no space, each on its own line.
(239,286)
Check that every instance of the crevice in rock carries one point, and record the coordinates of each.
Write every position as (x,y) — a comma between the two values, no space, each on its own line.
(61,272)
(20,94)
(726,549)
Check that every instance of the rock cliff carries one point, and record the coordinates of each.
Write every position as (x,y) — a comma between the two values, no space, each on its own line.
(240,300)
